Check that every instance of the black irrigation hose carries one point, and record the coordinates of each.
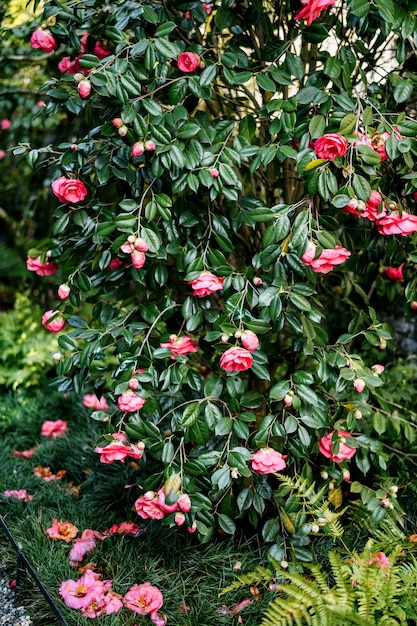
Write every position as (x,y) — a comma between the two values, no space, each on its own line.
(23,566)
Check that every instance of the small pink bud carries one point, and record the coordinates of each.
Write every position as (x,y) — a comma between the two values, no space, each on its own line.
(202,65)
(133,384)
(324,475)
(78,76)
(131,238)
(257,281)
(382,343)
(284,564)
(138,149)
(377,368)
(74,146)
(141,245)
(149,145)
(385,503)
(63,291)
(84,88)
(117,122)
(191,529)
(357,414)
(122,130)
(138,259)
(2,154)
(40,104)
(315,528)
(346,475)
(179,518)
(359,385)
(414,305)
(214,172)
(287,400)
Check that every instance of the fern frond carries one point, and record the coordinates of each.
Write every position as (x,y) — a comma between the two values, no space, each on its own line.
(255,577)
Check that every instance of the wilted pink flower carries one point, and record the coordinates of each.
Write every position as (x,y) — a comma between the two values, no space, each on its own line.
(236,360)
(54,429)
(138,259)
(61,531)
(84,544)
(396,224)
(378,142)
(180,345)
(188,62)
(138,149)
(249,340)
(69,190)
(84,88)
(381,559)
(147,506)
(206,284)
(129,401)
(116,450)
(56,324)
(81,593)
(312,9)
(41,269)
(5,124)
(46,474)
(126,528)
(143,599)
(330,146)
(159,619)
(43,40)
(115,264)
(91,401)
(344,452)
(267,461)
(26,454)
(395,273)
(67,66)
(18,494)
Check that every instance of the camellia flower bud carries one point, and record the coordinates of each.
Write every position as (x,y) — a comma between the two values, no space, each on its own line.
(224,338)
(150,146)
(393,489)
(84,88)
(377,368)
(284,564)
(122,130)
(358,414)
(117,122)
(414,305)
(359,385)
(214,172)
(78,76)
(257,281)
(382,343)
(133,384)
(324,475)
(138,149)
(288,400)
(346,475)
(64,291)
(315,528)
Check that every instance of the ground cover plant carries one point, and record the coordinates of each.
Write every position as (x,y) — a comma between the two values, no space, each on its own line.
(233,214)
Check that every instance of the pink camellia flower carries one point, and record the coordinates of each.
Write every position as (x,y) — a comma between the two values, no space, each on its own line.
(395,273)
(43,40)
(249,340)
(344,452)
(84,88)
(359,385)
(61,531)
(236,360)
(84,544)
(396,223)
(267,461)
(115,264)
(188,62)
(378,142)
(126,528)
(54,429)
(91,401)
(129,401)
(5,124)
(166,508)
(147,506)
(56,324)
(143,599)
(119,449)
(138,259)
(312,9)
(206,284)
(81,593)
(91,45)
(191,529)
(41,269)
(330,146)
(64,291)
(138,149)
(2,154)
(327,259)
(18,494)
(180,345)
(66,66)
(141,245)
(69,190)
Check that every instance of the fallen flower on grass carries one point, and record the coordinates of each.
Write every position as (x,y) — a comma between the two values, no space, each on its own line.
(83,592)
(18,494)
(61,531)
(126,528)
(84,544)
(236,608)
(46,474)
(143,599)
(54,429)
(26,454)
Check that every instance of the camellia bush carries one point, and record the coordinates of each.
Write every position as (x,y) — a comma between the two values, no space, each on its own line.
(234,215)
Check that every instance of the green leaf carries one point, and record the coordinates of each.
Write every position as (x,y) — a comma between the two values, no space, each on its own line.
(208,75)
(361,187)
(226,524)
(348,124)
(403,91)
(190,414)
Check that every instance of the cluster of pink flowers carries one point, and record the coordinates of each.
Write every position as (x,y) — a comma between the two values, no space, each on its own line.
(136,247)
(180,346)
(153,505)
(41,268)
(54,429)
(267,461)
(344,452)
(91,595)
(312,9)
(119,448)
(388,222)
(206,284)
(91,401)
(18,494)
(327,259)
(69,190)
(89,45)
(377,141)
(139,147)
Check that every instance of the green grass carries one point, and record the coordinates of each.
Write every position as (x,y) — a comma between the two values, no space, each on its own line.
(185,571)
